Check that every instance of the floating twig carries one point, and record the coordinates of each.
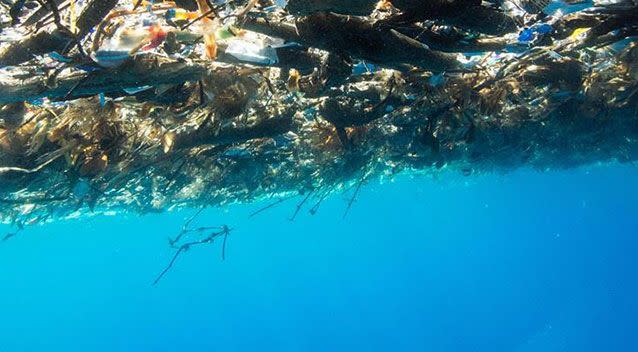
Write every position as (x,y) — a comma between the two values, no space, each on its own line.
(223,231)
(354,195)
(224,246)
(300,205)
(186,227)
(271,205)
(315,207)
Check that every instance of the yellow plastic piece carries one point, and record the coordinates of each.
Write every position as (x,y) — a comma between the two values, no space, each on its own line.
(578,32)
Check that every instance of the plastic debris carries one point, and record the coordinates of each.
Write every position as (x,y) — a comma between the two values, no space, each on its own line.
(531,34)
(153,105)
(252,52)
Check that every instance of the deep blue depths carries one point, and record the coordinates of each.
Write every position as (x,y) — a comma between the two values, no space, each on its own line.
(522,262)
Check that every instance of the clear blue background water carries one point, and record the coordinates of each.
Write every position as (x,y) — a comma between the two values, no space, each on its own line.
(522,262)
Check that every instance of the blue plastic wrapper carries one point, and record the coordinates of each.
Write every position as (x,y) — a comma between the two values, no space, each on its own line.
(544,29)
(526,35)
(529,34)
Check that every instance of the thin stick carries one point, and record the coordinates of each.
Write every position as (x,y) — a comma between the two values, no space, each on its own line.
(199,18)
(225,230)
(277,202)
(185,227)
(137,4)
(300,205)
(169,266)
(224,246)
(58,22)
(44,19)
(354,195)
(315,208)
(188,222)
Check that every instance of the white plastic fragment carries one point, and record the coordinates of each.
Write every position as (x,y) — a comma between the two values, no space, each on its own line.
(251,52)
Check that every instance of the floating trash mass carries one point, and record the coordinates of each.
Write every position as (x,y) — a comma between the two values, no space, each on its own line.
(143,106)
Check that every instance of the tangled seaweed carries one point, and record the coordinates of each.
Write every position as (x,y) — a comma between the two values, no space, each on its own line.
(143,107)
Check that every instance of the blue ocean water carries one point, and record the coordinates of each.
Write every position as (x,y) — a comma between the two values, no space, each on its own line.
(520,262)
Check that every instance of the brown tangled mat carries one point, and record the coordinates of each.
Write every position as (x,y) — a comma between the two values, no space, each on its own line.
(141,107)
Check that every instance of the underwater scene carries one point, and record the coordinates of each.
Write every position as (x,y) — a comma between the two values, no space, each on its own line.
(318,175)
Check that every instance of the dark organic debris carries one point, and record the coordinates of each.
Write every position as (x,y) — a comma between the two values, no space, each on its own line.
(109,106)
